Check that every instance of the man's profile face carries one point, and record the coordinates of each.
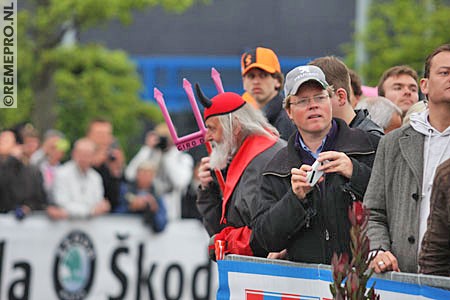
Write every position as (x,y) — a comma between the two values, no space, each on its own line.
(402,90)
(214,130)
(260,85)
(437,86)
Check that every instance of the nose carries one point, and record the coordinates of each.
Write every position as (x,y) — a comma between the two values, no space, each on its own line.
(407,90)
(208,136)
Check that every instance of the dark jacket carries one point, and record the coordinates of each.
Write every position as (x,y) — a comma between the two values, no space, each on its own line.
(243,202)
(278,117)
(434,256)
(313,228)
(362,121)
(20,185)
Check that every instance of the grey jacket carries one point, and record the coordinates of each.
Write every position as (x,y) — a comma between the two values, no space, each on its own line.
(394,194)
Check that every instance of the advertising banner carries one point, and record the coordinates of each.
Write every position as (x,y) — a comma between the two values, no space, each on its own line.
(261,281)
(111,257)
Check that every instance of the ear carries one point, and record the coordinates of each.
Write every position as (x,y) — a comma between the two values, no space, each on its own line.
(342,96)
(288,111)
(424,85)
(278,84)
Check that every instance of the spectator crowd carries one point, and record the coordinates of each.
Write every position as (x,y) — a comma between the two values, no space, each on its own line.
(390,152)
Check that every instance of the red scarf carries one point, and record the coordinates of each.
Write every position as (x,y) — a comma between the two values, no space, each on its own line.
(250,148)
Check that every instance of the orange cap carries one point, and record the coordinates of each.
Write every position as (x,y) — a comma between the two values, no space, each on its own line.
(262,58)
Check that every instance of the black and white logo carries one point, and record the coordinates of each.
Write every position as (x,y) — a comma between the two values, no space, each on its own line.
(74,266)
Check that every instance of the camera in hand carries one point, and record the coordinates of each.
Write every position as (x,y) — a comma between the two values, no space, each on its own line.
(163,143)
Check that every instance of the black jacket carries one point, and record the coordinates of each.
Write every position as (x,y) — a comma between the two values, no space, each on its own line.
(278,117)
(362,121)
(20,185)
(243,203)
(313,228)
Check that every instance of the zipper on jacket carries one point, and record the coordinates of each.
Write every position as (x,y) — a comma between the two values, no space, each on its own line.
(327,235)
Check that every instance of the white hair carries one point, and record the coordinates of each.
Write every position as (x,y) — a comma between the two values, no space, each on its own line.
(251,122)
(380,110)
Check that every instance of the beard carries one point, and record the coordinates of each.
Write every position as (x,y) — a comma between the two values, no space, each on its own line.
(220,155)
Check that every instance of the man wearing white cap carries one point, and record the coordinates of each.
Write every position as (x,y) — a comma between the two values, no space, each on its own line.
(311,222)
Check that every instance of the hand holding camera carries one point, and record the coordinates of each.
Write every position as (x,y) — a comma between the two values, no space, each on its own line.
(314,175)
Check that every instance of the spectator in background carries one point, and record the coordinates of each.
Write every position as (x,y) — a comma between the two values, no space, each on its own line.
(174,168)
(139,197)
(398,195)
(312,222)
(336,73)
(49,157)
(29,138)
(108,160)
(356,88)
(21,185)
(399,84)
(383,112)
(188,201)
(434,256)
(263,81)
(78,188)
(51,136)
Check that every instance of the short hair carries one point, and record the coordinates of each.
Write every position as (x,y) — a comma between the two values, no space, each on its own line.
(97,120)
(380,110)
(415,108)
(336,72)
(394,72)
(280,77)
(148,165)
(442,48)
(355,82)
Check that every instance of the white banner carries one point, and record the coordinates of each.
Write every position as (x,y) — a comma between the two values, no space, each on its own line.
(103,258)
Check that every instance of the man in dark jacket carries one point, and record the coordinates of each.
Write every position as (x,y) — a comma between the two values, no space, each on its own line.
(263,81)
(311,222)
(243,141)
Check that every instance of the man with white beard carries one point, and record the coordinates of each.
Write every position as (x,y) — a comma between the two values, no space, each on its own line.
(243,141)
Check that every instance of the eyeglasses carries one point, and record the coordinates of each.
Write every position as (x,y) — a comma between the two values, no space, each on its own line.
(304,102)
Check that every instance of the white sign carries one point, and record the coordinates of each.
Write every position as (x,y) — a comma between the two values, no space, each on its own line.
(112,257)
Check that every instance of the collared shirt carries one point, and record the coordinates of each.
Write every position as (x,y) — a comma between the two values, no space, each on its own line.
(313,154)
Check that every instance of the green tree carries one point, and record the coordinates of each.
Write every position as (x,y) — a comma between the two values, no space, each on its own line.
(400,32)
(64,86)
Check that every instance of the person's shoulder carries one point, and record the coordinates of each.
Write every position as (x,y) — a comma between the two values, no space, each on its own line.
(278,164)
(443,169)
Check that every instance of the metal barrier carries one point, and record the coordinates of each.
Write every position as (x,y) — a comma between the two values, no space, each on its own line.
(244,277)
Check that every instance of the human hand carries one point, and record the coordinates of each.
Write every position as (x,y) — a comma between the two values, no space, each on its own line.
(152,139)
(384,261)
(278,255)
(338,162)
(57,213)
(204,172)
(299,184)
(101,208)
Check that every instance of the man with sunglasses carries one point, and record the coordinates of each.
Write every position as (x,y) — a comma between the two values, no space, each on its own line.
(311,222)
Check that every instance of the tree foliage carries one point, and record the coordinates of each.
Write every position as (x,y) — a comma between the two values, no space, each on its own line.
(64,86)
(401,32)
